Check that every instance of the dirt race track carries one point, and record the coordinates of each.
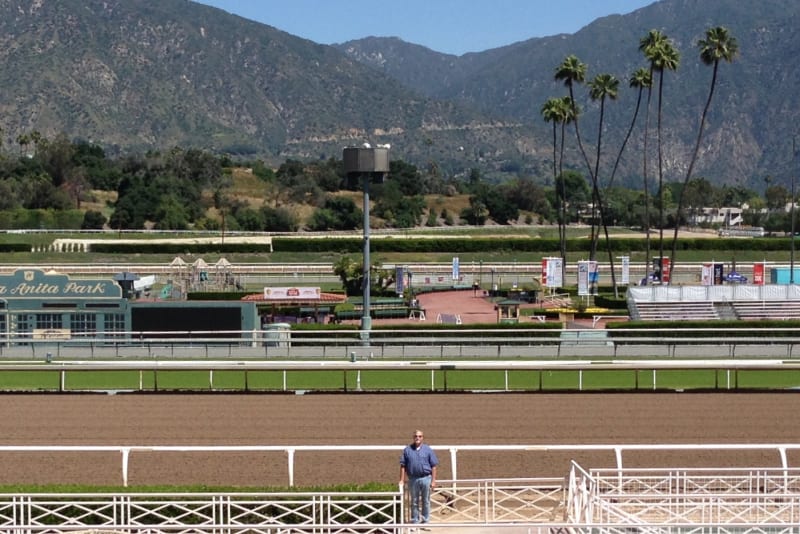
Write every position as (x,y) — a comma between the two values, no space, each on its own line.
(375,419)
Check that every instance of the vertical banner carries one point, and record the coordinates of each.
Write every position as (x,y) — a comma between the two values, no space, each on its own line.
(718,274)
(626,270)
(455,268)
(554,272)
(399,279)
(707,275)
(661,269)
(583,278)
(758,273)
(594,276)
(545,262)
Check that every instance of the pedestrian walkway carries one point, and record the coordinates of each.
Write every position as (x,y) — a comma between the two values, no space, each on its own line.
(497,528)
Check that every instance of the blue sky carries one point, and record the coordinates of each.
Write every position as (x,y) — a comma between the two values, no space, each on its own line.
(450,26)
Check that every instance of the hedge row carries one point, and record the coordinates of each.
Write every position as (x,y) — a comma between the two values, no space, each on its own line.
(435,245)
(15,247)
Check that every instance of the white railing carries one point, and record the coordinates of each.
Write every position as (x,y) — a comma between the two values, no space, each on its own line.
(698,496)
(615,452)
(410,344)
(231,513)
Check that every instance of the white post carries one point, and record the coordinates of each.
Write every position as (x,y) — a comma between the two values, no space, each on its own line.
(290,455)
(125,454)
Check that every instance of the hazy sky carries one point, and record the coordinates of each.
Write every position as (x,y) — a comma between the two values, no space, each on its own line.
(450,26)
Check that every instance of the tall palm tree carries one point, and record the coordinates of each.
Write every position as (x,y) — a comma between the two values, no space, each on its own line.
(571,72)
(662,56)
(717,46)
(560,111)
(553,111)
(641,79)
(601,87)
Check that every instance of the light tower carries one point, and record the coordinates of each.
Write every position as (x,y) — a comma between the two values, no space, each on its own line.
(370,164)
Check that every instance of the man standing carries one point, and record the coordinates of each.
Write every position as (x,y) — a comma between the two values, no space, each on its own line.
(418,464)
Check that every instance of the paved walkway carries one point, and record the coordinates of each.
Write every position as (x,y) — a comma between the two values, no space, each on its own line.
(481,529)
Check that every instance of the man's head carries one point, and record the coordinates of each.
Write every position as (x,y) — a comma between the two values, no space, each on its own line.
(418,436)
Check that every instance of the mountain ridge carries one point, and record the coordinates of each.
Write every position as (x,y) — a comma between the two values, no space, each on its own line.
(138,75)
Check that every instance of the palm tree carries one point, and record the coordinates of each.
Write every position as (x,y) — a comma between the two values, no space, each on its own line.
(603,86)
(641,79)
(552,112)
(718,45)
(559,111)
(23,140)
(572,71)
(662,56)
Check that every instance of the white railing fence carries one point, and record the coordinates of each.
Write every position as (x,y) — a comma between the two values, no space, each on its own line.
(696,496)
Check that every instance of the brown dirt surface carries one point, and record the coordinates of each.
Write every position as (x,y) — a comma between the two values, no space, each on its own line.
(376,419)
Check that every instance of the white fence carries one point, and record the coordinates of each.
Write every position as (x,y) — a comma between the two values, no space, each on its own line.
(707,499)
(353,375)
(615,451)
(616,500)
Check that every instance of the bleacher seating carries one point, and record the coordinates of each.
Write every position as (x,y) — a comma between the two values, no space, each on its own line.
(775,310)
(676,311)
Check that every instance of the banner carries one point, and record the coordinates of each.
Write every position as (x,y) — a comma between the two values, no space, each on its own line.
(626,270)
(399,279)
(594,275)
(455,268)
(553,272)
(661,269)
(758,273)
(544,272)
(707,275)
(711,274)
(291,293)
(718,274)
(583,278)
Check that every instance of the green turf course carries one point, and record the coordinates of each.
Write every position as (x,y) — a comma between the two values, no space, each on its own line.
(393,380)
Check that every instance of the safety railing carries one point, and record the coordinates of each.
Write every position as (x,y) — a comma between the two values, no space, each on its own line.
(697,496)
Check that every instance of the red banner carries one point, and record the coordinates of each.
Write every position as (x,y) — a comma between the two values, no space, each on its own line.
(758,274)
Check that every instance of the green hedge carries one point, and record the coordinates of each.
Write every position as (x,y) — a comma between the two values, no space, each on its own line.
(383,245)
(146,247)
(15,247)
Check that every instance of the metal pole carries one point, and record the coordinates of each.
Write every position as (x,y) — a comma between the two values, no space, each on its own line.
(791,211)
(366,318)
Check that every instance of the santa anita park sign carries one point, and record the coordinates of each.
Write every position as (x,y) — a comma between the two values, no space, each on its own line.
(36,284)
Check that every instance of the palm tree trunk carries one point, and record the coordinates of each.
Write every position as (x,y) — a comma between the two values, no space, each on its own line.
(563,236)
(693,161)
(660,180)
(646,190)
(611,183)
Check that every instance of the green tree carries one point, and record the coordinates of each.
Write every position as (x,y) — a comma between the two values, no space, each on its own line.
(476,213)
(279,219)
(718,45)
(170,214)
(93,220)
(337,213)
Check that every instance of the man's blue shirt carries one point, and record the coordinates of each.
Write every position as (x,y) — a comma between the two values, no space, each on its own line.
(418,462)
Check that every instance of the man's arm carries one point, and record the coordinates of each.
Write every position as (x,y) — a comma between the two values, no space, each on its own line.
(402,474)
(433,476)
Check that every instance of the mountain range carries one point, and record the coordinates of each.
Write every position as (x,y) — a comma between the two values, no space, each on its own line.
(135,75)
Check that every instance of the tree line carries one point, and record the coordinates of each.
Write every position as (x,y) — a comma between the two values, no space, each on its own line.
(193,189)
